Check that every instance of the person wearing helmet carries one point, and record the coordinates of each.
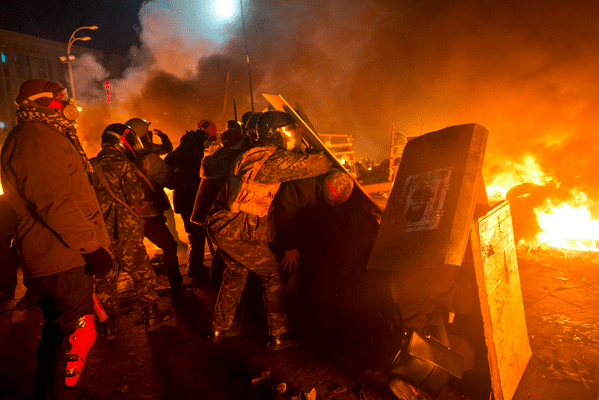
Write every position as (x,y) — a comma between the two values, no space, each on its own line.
(186,160)
(121,196)
(250,131)
(142,128)
(303,219)
(213,173)
(154,174)
(240,224)
(279,128)
(60,234)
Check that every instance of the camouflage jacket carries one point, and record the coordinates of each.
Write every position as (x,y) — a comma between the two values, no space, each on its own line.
(121,222)
(280,167)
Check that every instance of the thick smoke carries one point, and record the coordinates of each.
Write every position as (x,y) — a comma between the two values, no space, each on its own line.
(527,71)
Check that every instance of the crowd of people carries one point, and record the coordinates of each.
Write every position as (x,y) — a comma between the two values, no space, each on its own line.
(266,205)
(77,221)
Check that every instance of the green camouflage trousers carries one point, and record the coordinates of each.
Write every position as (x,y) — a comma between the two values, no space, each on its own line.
(241,258)
(131,256)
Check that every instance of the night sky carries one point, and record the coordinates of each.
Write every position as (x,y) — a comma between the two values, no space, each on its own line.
(117,21)
(528,71)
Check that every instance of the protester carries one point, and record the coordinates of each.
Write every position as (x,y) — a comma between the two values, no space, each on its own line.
(154,174)
(303,208)
(186,160)
(120,195)
(60,233)
(240,223)
(214,171)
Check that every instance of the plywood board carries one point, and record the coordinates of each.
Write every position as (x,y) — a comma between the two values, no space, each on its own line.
(502,309)
(429,213)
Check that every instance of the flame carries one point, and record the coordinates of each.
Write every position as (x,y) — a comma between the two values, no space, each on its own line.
(567,225)
(515,174)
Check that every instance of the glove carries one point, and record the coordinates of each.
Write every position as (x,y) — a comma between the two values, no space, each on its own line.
(98,261)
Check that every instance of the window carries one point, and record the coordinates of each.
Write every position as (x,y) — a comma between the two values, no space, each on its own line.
(4,64)
(50,70)
(41,68)
(23,66)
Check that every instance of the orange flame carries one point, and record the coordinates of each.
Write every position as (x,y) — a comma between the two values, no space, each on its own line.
(568,225)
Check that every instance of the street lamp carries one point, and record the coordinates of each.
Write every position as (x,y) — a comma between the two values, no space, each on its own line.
(69,58)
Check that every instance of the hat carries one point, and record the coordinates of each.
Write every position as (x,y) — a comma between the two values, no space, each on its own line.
(231,137)
(338,186)
(41,91)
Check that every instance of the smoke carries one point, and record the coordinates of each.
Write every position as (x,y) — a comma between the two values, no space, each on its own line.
(527,71)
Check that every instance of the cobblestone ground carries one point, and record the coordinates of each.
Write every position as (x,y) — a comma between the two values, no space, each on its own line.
(561,299)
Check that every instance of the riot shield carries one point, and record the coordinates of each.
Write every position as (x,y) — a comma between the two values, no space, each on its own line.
(430,209)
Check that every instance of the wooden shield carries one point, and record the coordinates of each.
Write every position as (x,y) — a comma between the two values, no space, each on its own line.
(502,308)
(430,209)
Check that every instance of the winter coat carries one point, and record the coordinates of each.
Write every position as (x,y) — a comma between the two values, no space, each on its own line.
(186,160)
(46,185)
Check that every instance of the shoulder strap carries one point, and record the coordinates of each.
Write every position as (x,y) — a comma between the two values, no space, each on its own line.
(104,182)
(145,178)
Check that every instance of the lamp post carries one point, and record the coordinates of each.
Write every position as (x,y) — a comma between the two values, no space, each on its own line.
(69,58)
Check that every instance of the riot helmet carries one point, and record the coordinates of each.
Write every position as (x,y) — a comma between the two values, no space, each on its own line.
(279,129)
(250,129)
(141,127)
(245,117)
(123,138)
(208,127)
(338,186)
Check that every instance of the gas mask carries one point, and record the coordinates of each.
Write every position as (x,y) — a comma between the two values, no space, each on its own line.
(60,103)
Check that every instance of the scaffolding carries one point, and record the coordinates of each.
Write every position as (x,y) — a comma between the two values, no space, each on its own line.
(398,142)
(342,147)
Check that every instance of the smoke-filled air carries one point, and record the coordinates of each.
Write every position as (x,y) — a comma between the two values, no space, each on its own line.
(528,71)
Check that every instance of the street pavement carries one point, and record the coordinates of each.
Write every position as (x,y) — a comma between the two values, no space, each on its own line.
(561,299)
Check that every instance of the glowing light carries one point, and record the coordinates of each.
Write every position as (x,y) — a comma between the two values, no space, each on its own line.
(515,174)
(224,8)
(568,227)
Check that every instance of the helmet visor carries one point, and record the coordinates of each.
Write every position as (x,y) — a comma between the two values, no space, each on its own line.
(292,135)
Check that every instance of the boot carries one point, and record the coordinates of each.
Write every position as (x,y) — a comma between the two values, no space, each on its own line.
(155,317)
(109,326)
(278,343)
(216,336)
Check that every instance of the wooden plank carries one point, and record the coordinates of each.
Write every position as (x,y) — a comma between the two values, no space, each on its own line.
(502,309)
(428,216)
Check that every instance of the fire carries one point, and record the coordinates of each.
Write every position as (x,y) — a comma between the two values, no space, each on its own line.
(567,225)
(515,174)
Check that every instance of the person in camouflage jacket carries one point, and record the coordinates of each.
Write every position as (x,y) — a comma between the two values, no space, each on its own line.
(120,195)
(243,236)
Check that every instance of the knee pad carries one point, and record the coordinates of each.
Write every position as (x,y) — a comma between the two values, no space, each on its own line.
(81,341)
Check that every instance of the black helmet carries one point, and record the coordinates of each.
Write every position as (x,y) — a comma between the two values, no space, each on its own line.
(271,130)
(245,117)
(250,128)
(123,138)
